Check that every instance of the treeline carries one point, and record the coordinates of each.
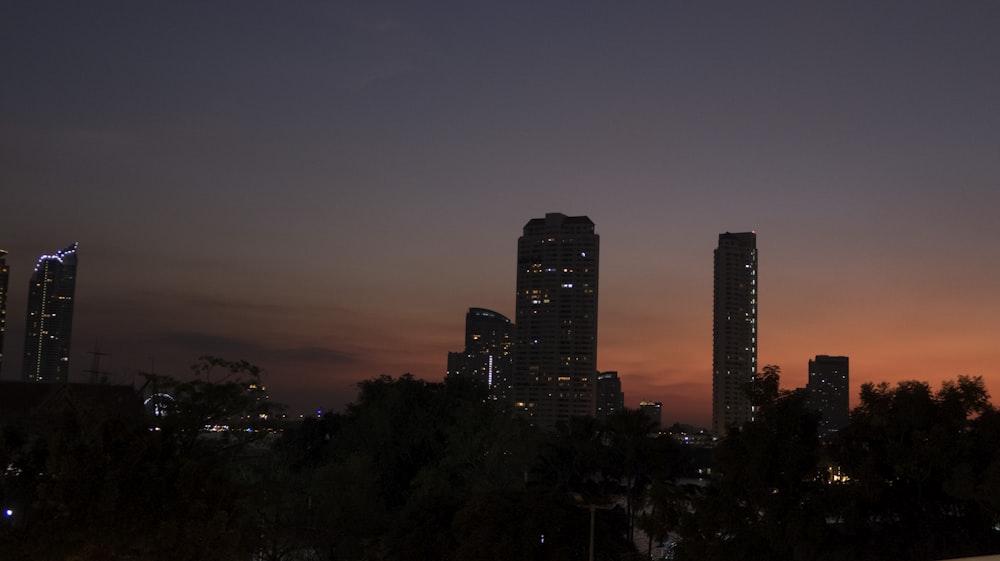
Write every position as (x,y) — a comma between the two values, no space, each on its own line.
(914,475)
(417,470)
(83,477)
(411,470)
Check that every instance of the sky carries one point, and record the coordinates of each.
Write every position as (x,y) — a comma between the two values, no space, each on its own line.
(323,188)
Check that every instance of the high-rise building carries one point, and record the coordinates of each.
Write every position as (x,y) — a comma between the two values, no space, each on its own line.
(4,277)
(653,410)
(487,357)
(734,330)
(610,397)
(828,391)
(49,327)
(555,351)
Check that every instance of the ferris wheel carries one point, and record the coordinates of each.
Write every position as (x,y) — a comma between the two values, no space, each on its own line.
(159,404)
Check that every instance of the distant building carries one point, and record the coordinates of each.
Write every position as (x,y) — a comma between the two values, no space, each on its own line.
(38,408)
(555,351)
(487,356)
(828,391)
(4,277)
(49,326)
(734,330)
(653,410)
(610,397)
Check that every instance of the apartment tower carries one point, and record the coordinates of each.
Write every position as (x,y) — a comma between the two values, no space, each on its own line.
(610,397)
(555,351)
(653,410)
(829,391)
(487,357)
(49,325)
(734,330)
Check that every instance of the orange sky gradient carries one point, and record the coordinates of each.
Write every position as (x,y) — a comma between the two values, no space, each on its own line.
(324,189)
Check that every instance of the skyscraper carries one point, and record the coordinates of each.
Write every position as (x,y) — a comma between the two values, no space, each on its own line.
(653,410)
(610,397)
(555,351)
(487,357)
(734,329)
(829,391)
(49,326)
(4,276)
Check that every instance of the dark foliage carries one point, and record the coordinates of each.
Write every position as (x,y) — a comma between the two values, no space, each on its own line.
(418,470)
(913,476)
(95,482)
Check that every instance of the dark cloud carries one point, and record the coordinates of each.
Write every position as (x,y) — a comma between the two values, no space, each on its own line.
(315,354)
(220,304)
(231,347)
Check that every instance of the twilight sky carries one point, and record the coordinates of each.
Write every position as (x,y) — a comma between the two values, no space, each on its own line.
(324,188)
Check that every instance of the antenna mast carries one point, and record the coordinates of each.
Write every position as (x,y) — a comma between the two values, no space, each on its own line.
(95,364)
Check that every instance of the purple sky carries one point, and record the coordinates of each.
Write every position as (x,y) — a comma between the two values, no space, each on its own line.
(324,188)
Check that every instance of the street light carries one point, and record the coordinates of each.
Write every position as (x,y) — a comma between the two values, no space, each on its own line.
(593,509)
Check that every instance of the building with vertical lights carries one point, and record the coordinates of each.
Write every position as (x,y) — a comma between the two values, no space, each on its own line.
(555,351)
(610,397)
(487,357)
(4,277)
(734,330)
(828,391)
(49,326)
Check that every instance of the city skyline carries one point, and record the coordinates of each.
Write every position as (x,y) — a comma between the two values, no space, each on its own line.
(324,190)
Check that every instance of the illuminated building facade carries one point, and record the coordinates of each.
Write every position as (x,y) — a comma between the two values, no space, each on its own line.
(610,397)
(734,330)
(829,391)
(4,277)
(487,357)
(49,325)
(555,358)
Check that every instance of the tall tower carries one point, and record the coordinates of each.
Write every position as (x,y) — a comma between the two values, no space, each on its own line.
(4,276)
(610,397)
(653,410)
(555,351)
(487,357)
(829,390)
(49,326)
(734,329)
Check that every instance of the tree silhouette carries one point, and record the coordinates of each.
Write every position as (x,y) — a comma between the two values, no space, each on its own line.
(916,459)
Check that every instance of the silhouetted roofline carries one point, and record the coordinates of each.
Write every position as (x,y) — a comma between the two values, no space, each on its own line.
(33,404)
(557,219)
(488,313)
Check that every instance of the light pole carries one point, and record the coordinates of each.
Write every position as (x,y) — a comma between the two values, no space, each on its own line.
(593,510)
